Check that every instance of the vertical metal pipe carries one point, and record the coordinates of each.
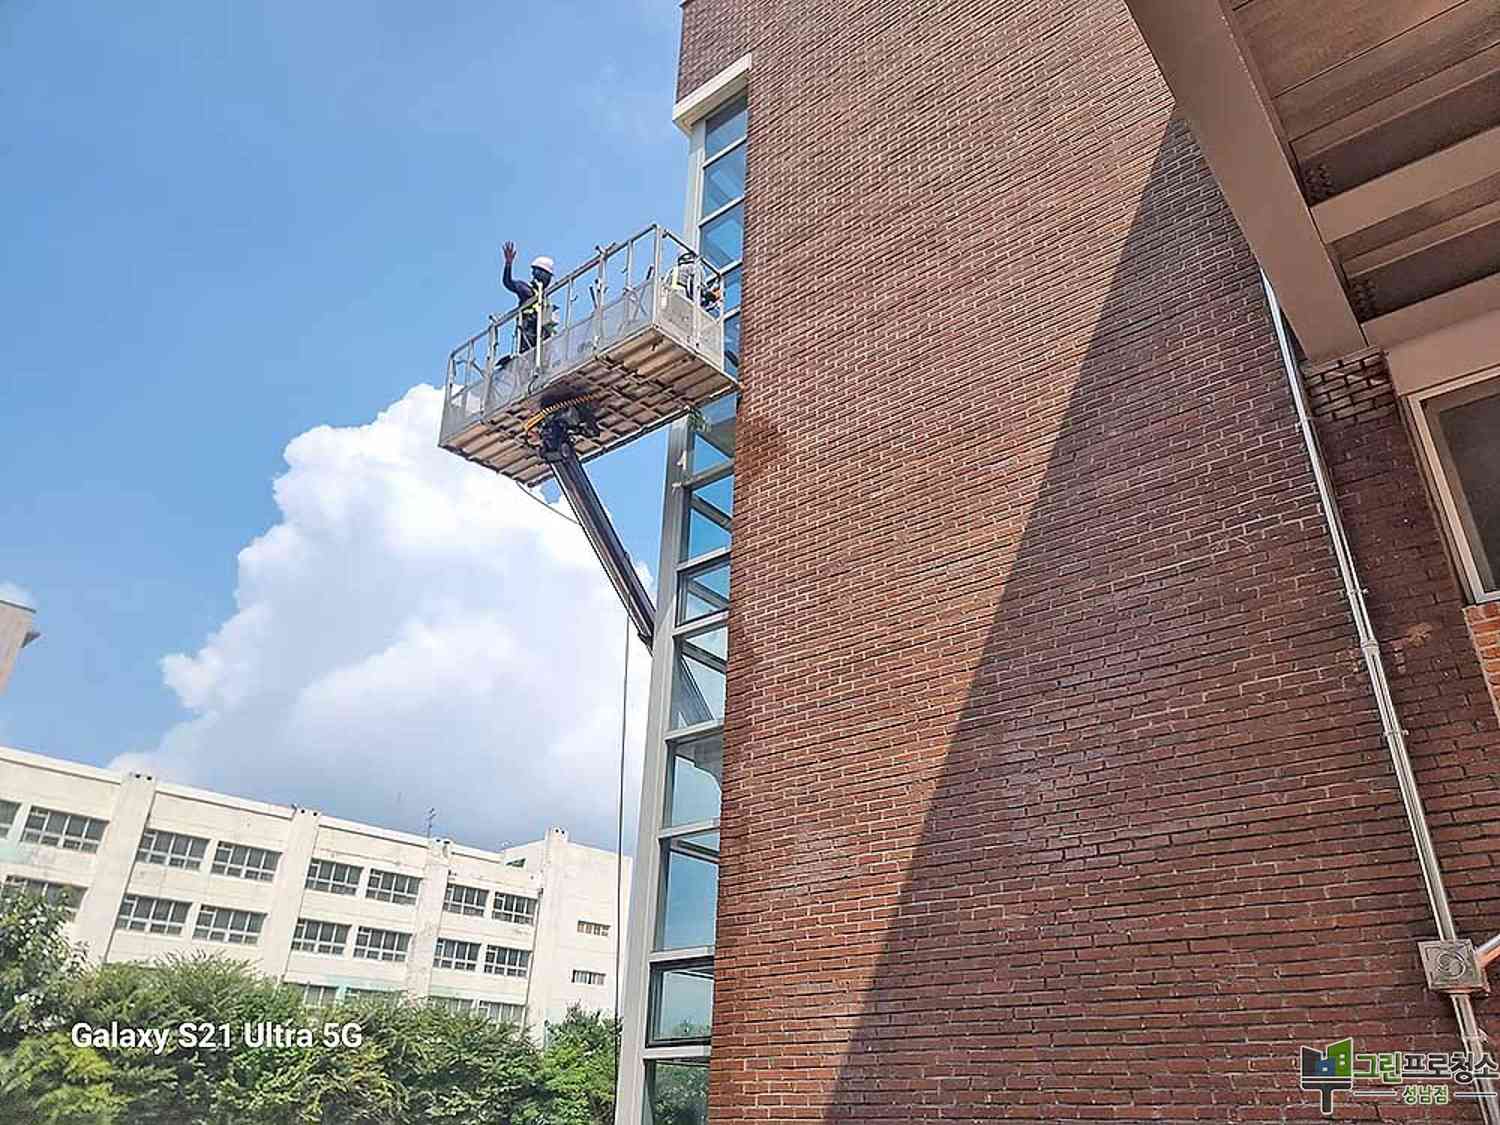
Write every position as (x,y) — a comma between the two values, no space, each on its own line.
(1390,720)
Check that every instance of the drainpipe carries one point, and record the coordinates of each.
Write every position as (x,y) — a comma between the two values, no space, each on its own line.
(1474,1039)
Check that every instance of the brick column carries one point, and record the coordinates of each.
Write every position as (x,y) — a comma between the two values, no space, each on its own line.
(1484,629)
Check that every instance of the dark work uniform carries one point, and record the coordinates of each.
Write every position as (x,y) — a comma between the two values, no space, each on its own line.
(527,293)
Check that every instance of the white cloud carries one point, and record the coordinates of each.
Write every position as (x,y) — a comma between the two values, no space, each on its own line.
(415,632)
(16,594)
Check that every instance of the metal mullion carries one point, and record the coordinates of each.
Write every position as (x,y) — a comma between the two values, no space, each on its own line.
(717,602)
(705,560)
(698,625)
(672,1054)
(693,731)
(709,476)
(711,512)
(700,655)
(697,826)
(725,151)
(714,214)
(687,954)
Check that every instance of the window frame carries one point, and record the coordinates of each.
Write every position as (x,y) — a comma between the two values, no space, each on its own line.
(318,943)
(334,888)
(169,855)
(170,926)
(500,967)
(465,904)
(211,920)
(453,953)
(225,864)
(393,953)
(1447,503)
(390,894)
(15,815)
(507,914)
(67,895)
(86,845)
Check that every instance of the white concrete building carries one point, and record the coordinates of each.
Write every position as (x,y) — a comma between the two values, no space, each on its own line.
(150,869)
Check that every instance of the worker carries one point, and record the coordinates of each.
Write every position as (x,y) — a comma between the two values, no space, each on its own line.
(530,297)
(685,278)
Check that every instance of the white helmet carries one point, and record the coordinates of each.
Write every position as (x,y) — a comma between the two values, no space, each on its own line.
(542,263)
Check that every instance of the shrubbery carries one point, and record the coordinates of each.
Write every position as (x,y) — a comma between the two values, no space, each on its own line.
(414,1065)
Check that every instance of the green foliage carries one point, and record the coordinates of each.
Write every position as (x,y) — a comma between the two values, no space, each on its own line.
(578,1069)
(37,967)
(412,1065)
(46,1080)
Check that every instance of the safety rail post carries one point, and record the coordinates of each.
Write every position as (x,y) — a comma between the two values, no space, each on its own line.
(656,284)
(601,295)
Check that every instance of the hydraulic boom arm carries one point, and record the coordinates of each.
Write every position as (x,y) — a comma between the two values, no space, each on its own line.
(558,452)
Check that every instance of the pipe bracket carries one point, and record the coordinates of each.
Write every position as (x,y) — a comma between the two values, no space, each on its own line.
(1453,967)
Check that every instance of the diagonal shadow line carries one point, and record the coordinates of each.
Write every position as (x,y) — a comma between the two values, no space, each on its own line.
(1092,923)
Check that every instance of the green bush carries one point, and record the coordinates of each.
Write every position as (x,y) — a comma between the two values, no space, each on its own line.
(413,1064)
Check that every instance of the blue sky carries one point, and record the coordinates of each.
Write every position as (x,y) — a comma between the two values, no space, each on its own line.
(228,224)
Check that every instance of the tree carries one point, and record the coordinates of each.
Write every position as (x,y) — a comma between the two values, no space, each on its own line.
(408,1064)
(38,967)
(578,1069)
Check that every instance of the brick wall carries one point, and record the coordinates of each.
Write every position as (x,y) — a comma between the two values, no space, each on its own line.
(714,34)
(1484,627)
(1053,786)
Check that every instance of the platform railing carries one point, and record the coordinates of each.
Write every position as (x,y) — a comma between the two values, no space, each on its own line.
(652,277)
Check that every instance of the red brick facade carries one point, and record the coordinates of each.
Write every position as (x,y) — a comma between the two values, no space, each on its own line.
(1054,789)
(1484,627)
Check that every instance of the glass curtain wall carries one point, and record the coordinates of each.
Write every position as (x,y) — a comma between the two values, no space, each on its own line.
(667,1037)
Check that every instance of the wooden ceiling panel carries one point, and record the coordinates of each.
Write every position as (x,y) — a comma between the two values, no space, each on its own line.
(1294,41)
(1429,48)
(1423,129)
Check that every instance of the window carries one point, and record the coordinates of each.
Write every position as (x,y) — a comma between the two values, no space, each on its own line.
(380,945)
(706,523)
(334,878)
(244,862)
(678,1091)
(515,908)
(151,915)
(389,886)
(1460,428)
(503,961)
(699,677)
(383,996)
(68,831)
(681,1003)
(460,899)
(721,210)
(65,895)
(171,849)
(462,955)
(593,929)
(224,924)
(320,937)
(703,591)
(8,811)
(501,1012)
(587,976)
(317,995)
(516,862)
(689,891)
(695,768)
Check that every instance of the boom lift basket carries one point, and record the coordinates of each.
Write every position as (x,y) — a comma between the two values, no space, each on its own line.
(647,349)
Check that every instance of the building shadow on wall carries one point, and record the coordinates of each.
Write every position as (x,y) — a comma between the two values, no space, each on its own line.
(1114,909)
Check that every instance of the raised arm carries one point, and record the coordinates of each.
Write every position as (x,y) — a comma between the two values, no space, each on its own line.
(521,289)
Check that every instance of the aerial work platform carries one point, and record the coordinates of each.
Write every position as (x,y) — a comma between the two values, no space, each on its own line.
(648,348)
(548,386)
